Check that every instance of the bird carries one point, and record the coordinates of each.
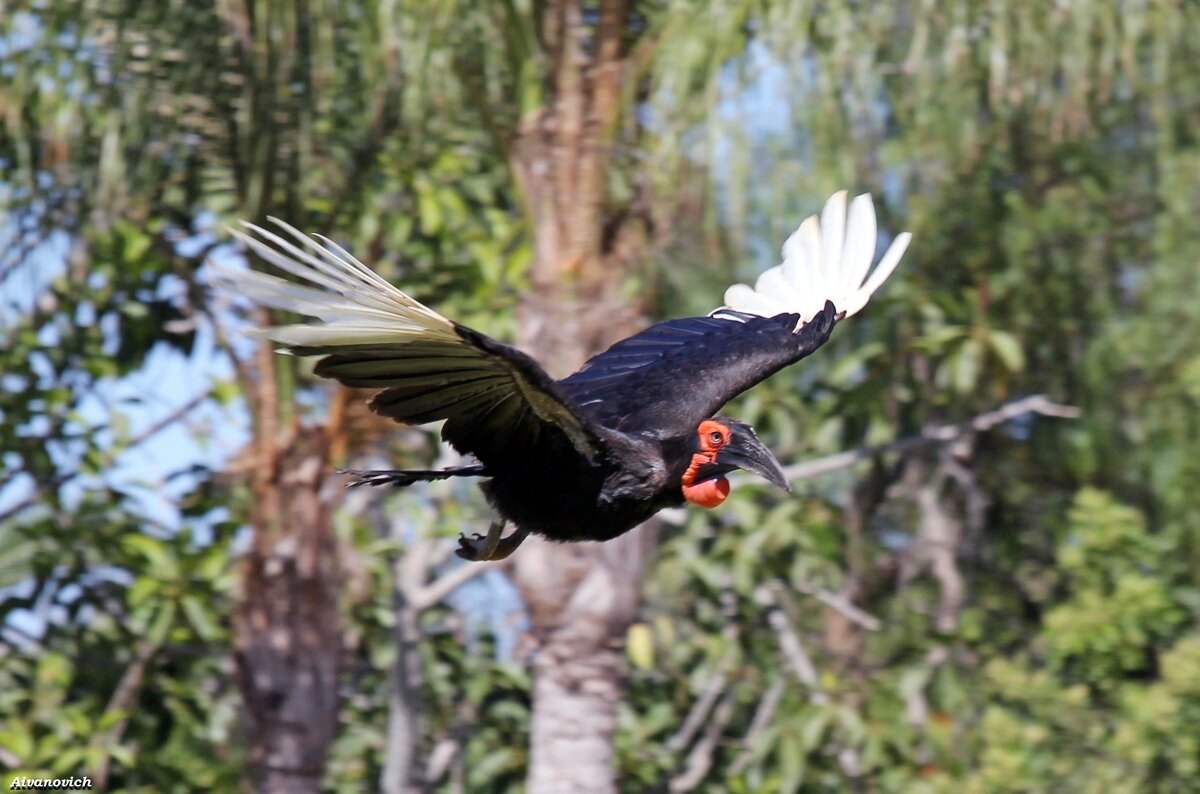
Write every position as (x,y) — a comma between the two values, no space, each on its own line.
(635,430)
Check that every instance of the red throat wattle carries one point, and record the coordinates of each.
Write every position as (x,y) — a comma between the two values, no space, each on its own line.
(710,493)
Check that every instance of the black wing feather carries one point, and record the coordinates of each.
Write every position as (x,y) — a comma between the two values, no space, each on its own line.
(499,405)
(670,377)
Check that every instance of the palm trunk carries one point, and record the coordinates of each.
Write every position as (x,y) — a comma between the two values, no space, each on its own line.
(400,771)
(581,597)
(287,649)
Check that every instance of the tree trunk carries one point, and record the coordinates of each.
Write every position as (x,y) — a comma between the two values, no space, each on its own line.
(581,596)
(287,643)
(401,774)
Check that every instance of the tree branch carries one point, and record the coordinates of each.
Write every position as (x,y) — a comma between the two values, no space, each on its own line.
(762,719)
(123,695)
(699,712)
(932,436)
(797,658)
(433,592)
(716,681)
(843,605)
(699,760)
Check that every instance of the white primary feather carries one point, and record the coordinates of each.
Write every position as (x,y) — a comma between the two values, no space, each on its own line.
(357,306)
(825,259)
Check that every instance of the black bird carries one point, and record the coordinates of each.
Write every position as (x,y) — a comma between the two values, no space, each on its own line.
(593,455)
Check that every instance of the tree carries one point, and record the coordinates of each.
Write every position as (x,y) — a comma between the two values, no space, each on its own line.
(148,137)
(936,616)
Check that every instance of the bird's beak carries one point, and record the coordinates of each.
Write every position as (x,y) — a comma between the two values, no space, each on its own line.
(744,451)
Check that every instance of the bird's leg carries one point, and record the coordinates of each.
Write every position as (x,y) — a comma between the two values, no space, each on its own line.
(508,545)
(478,548)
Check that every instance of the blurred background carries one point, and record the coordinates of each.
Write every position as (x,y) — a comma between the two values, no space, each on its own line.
(974,588)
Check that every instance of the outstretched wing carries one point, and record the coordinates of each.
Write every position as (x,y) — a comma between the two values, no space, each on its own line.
(499,405)
(673,375)
(670,377)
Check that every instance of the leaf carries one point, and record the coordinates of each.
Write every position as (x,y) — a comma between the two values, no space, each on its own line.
(135,242)
(853,728)
(226,392)
(793,764)
(156,553)
(964,366)
(53,670)
(639,646)
(1008,349)
(16,738)
(134,310)
(428,209)
(163,620)
(142,588)
(812,733)
(198,615)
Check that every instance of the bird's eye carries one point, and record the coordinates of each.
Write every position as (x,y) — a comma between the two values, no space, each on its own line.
(715,437)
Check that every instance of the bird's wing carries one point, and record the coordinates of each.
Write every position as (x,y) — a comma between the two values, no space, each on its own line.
(825,259)
(675,374)
(498,403)
(670,377)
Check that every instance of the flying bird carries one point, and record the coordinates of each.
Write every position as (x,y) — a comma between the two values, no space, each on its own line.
(593,455)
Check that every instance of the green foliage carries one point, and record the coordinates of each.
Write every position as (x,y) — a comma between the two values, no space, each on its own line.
(1045,157)
(1101,681)
(1120,606)
(119,611)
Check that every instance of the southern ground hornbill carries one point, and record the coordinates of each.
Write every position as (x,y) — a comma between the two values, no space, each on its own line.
(595,454)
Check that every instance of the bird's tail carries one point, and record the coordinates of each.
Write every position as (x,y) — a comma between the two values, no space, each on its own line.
(826,259)
(403,477)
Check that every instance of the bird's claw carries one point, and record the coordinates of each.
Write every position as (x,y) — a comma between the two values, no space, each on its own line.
(480,548)
(471,548)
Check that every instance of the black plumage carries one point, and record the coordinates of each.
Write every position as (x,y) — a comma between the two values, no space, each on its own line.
(587,457)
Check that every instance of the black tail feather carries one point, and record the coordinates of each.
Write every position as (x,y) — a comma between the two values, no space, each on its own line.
(402,477)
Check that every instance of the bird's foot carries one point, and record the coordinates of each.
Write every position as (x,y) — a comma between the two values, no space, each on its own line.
(479,548)
(475,548)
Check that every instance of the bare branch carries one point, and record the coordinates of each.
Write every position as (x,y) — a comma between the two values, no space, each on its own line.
(715,685)
(699,712)
(162,424)
(699,760)
(916,707)
(448,582)
(940,534)
(932,436)
(762,719)
(797,658)
(843,605)
(123,695)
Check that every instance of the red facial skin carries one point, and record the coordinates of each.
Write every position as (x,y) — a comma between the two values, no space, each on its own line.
(710,493)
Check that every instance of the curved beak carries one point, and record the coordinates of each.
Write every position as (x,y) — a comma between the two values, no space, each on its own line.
(744,451)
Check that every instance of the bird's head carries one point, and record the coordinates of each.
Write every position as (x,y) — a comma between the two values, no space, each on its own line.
(719,446)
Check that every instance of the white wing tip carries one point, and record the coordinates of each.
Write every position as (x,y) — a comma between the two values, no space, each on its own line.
(832,264)
(355,306)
